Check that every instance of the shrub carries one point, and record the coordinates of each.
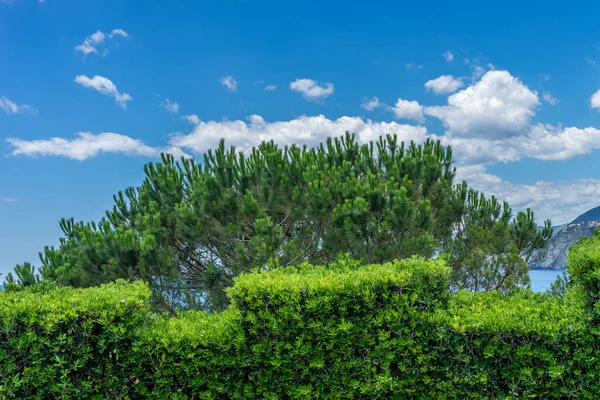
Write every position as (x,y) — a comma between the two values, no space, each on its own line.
(339,331)
(583,265)
(69,343)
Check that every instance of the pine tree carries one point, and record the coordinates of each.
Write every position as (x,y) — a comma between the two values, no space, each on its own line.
(189,229)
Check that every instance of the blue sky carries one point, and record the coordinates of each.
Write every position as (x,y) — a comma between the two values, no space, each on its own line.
(90,91)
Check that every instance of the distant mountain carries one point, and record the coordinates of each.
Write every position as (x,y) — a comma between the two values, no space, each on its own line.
(564,236)
(591,215)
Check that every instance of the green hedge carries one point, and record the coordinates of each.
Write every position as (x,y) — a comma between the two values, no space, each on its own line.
(69,343)
(340,331)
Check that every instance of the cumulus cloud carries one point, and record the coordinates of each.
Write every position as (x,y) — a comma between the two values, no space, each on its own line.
(497,106)
(229,83)
(560,201)
(104,86)
(170,106)
(312,90)
(11,107)
(371,104)
(408,110)
(304,130)
(444,84)
(96,40)
(542,142)
(87,145)
(448,56)
(595,100)
(550,143)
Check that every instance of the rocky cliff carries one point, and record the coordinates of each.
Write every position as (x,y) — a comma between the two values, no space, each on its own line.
(564,237)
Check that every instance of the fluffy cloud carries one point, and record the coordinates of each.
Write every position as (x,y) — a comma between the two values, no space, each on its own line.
(371,104)
(270,88)
(550,143)
(302,130)
(559,201)
(448,56)
(11,107)
(542,142)
(229,83)
(93,41)
(497,106)
(312,90)
(444,84)
(595,100)
(408,110)
(87,145)
(170,106)
(104,86)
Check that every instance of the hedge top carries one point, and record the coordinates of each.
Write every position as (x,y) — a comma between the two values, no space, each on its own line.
(285,286)
(46,308)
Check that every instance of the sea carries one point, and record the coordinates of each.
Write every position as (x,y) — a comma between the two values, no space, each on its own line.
(542,278)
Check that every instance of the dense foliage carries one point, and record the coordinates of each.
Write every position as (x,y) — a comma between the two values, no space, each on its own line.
(190,228)
(344,330)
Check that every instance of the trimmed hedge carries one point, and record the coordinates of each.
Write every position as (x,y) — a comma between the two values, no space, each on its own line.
(69,343)
(337,331)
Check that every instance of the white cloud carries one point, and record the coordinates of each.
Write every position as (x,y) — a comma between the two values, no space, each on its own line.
(88,45)
(542,142)
(444,84)
(8,200)
(544,76)
(559,201)
(118,32)
(270,88)
(550,99)
(550,143)
(229,82)
(11,107)
(411,66)
(312,90)
(448,56)
(408,109)
(104,86)
(87,145)
(192,119)
(371,104)
(303,130)
(170,106)
(498,106)
(93,41)
(595,100)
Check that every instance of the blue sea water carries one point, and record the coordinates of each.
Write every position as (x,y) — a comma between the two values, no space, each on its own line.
(542,278)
